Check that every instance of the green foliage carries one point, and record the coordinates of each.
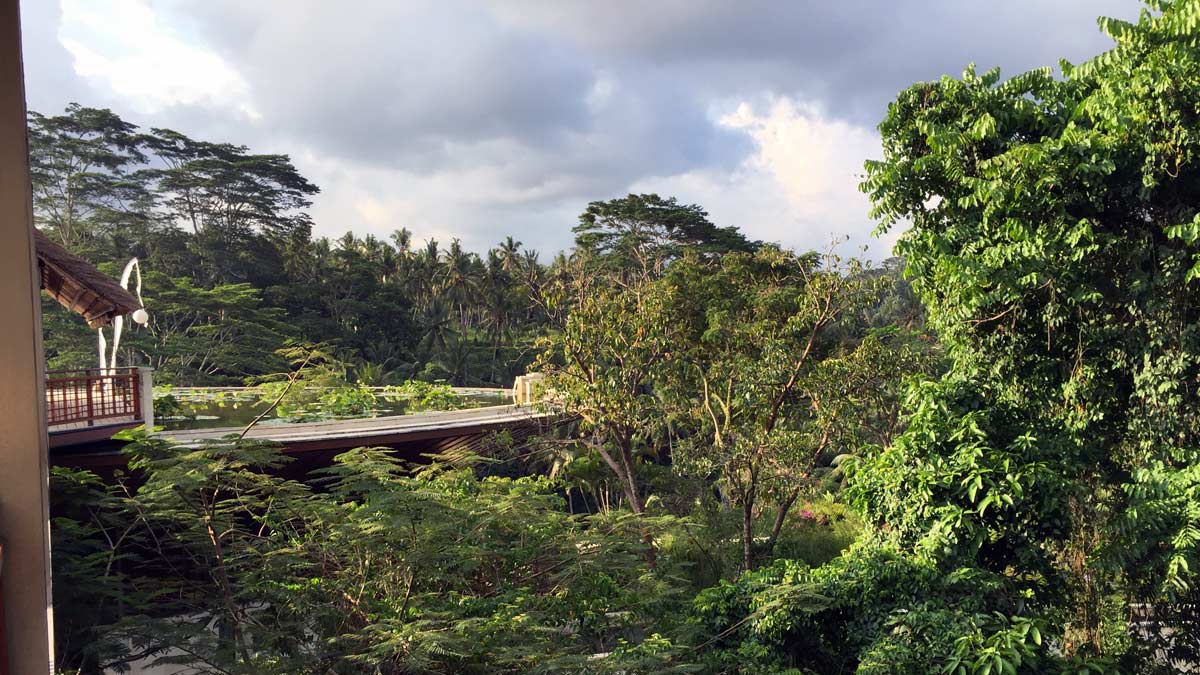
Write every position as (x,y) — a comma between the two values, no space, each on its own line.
(600,365)
(1040,511)
(426,396)
(225,238)
(872,610)
(68,342)
(90,595)
(83,165)
(1052,243)
(747,367)
(219,188)
(764,376)
(817,531)
(319,389)
(642,232)
(232,569)
(214,334)
(316,389)
(165,402)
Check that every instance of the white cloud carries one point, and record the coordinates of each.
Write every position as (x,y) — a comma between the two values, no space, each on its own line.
(479,204)
(455,118)
(126,47)
(799,187)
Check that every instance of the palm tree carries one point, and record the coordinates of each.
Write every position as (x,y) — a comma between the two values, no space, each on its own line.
(388,357)
(510,254)
(530,259)
(402,240)
(423,275)
(437,328)
(380,255)
(455,360)
(459,278)
(497,291)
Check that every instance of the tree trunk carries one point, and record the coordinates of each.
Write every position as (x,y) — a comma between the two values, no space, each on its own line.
(495,354)
(748,535)
(780,517)
(748,497)
(239,644)
(629,482)
(625,475)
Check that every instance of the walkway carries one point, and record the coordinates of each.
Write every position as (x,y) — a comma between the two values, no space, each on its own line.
(375,430)
(314,444)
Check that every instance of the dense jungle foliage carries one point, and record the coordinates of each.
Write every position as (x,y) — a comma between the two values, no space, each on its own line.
(232,272)
(766,461)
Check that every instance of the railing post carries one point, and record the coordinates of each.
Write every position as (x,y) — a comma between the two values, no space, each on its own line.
(91,413)
(146,382)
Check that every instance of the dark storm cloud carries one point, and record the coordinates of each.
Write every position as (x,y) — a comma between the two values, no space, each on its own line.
(420,84)
(538,106)
(402,82)
(432,86)
(411,85)
(852,55)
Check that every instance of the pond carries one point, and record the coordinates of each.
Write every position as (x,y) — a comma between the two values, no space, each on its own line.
(205,408)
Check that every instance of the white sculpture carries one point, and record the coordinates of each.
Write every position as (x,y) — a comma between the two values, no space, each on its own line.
(108,361)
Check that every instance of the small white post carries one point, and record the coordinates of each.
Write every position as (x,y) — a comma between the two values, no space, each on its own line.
(146,378)
(518,390)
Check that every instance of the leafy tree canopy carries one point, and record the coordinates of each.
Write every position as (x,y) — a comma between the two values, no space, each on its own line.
(646,230)
(1054,238)
(1041,512)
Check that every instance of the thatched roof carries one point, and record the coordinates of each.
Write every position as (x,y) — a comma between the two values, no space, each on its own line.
(79,286)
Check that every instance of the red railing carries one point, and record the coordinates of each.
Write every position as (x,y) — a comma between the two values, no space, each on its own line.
(84,398)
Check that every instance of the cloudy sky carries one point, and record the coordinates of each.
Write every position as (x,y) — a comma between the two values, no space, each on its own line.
(480,119)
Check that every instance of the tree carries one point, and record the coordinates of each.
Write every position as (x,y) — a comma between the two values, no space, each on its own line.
(234,202)
(227,567)
(459,278)
(643,232)
(753,337)
(83,166)
(1055,240)
(214,215)
(499,301)
(219,185)
(510,254)
(199,336)
(601,367)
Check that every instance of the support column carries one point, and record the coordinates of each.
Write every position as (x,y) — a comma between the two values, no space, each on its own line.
(24,518)
(146,382)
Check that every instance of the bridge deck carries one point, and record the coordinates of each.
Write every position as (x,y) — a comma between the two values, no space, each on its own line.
(314,444)
(374,429)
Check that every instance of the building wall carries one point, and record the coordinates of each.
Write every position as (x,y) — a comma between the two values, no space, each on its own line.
(24,519)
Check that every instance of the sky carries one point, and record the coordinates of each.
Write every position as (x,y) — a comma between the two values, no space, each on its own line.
(476,120)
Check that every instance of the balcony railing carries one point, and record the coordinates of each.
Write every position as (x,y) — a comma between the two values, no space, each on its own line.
(78,399)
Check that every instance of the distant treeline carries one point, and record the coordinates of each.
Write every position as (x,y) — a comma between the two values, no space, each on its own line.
(232,272)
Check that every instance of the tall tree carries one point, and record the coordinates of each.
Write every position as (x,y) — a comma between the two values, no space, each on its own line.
(754,336)
(1055,239)
(510,254)
(645,231)
(204,336)
(84,169)
(224,186)
(601,366)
